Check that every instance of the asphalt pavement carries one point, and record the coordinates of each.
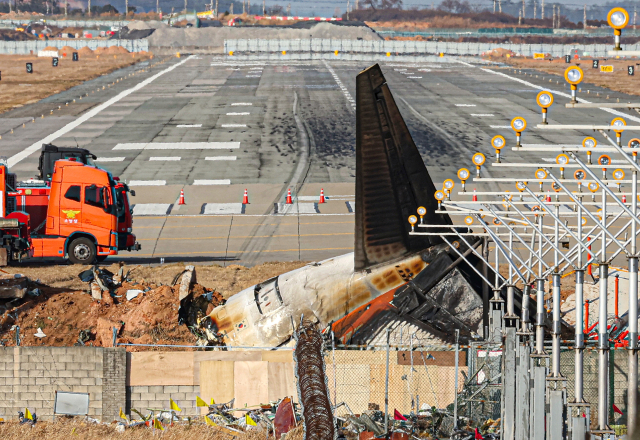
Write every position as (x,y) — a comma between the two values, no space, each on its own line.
(215,126)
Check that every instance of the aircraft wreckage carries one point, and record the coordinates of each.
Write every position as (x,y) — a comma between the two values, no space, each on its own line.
(410,285)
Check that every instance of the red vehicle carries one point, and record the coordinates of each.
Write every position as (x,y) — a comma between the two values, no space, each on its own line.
(48,157)
(73,216)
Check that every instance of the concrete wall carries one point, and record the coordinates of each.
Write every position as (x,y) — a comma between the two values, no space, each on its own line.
(157,396)
(30,377)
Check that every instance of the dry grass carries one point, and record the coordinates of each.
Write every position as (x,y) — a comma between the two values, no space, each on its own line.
(18,88)
(65,429)
(618,81)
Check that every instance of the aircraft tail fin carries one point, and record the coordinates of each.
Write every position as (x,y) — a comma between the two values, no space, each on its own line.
(391,178)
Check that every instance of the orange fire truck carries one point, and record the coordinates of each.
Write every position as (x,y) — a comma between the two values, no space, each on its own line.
(73,216)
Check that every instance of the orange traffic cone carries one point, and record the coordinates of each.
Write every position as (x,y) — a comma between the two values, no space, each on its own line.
(289,201)
(181,199)
(624,198)
(321,195)
(475,197)
(245,198)
(548,196)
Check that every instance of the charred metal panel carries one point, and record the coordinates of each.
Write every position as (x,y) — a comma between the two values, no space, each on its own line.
(391,178)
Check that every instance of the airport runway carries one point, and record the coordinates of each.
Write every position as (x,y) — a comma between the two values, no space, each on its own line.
(214,126)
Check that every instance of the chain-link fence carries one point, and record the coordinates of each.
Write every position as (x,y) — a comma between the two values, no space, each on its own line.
(423,381)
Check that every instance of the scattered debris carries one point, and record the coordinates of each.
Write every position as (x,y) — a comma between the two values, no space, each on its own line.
(40,333)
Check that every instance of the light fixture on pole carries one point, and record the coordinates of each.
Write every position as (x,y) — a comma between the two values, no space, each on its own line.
(574,76)
(618,18)
(544,100)
(518,124)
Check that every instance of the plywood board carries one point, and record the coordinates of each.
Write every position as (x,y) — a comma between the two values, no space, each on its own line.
(161,368)
(352,381)
(429,358)
(278,356)
(217,381)
(281,380)
(251,383)
(221,356)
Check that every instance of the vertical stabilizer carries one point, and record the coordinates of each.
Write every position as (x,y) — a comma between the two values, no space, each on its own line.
(391,178)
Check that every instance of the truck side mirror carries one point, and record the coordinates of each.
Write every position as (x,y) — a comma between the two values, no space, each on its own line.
(133,193)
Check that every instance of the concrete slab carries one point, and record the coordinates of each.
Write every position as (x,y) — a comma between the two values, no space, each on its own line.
(152,209)
(296,208)
(223,208)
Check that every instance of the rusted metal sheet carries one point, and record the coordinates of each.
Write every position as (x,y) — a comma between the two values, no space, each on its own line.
(285,419)
(13,287)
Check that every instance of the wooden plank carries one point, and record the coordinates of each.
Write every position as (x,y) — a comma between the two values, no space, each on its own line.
(161,368)
(281,380)
(278,356)
(217,381)
(440,358)
(221,356)
(251,383)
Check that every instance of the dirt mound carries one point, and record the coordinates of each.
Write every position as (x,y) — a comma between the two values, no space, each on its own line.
(69,49)
(101,50)
(84,51)
(500,53)
(116,50)
(48,48)
(144,308)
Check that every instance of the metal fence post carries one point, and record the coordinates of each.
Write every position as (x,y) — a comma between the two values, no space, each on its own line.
(455,391)
(386,387)
(333,353)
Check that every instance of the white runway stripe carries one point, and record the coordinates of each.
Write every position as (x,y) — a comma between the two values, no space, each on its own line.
(414,77)
(238,114)
(233,125)
(465,105)
(500,126)
(109,159)
(212,182)
(179,146)
(189,125)
(88,115)
(221,158)
(223,208)
(483,115)
(151,209)
(147,182)
(174,158)
(241,103)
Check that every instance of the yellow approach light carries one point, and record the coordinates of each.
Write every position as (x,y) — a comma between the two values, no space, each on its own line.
(618,18)
(463,174)
(593,186)
(478,159)
(589,142)
(574,76)
(618,174)
(544,99)
(562,159)
(498,142)
(521,186)
(421,212)
(468,220)
(541,174)
(579,175)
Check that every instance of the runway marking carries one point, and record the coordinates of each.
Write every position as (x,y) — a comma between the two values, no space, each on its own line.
(345,92)
(226,225)
(179,146)
(147,182)
(500,126)
(252,76)
(312,198)
(233,125)
(559,93)
(188,125)
(241,103)
(221,237)
(483,115)
(296,208)
(223,208)
(241,252)
(414,77)
(168,158)
(221,158)
(465,105)
(212,182)
(238,114)
(351,206)
(16,158)
(151,209)
(109,159)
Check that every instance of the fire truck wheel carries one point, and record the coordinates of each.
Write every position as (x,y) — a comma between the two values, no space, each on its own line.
(82,251)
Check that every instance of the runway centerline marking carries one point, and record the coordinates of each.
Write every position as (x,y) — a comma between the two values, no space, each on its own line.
(188,125)
(168,158)
(221,158)
(109,159)
(16,158)
(465,105)
(178,146)
(238,114)
(147,182)
(212,182)
(233,125)
(241,103)
(483,115)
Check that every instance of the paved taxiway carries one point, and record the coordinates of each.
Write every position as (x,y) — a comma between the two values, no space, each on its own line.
(214,126)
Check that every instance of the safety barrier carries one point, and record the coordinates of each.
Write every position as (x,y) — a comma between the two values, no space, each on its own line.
(32,47)
(70,23)
(317,45)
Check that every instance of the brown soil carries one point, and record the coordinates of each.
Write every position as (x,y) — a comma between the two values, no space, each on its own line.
(64,306)
(618,81)
(63,429)
(18,88)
